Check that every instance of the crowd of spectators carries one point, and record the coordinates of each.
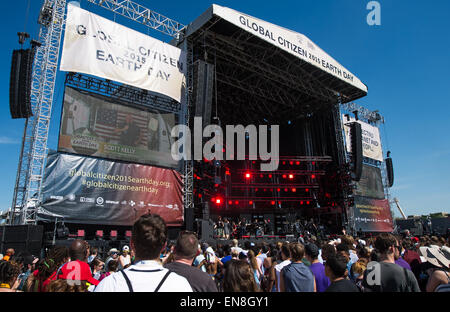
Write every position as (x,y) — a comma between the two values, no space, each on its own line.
(384,263)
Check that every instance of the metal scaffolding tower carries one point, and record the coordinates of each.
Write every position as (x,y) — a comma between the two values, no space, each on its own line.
(34,144)
(33,153)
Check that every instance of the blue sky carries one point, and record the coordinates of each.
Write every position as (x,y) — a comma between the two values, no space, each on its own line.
(405,63)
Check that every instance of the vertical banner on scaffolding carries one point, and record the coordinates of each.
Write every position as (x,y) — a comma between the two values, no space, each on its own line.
(97,46)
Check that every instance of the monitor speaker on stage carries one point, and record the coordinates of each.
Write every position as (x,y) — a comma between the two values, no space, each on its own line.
(357,152)
(20,83)
(203,90)
(390,171)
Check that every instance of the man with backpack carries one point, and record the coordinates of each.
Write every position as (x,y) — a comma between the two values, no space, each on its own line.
(147,274)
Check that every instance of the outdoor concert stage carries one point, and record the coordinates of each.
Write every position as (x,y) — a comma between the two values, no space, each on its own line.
(238,70)
(268,75)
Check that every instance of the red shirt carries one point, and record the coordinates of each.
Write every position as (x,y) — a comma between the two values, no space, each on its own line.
(77,270)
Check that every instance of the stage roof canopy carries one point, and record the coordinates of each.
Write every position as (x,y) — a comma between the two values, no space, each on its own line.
(278,64)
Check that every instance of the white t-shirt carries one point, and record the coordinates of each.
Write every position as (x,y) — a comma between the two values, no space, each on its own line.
(144,277)
(278,269)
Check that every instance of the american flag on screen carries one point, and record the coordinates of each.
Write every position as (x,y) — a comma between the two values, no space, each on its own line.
(106,120)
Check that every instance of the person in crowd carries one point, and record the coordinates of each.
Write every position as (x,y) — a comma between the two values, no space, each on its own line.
(327,250)
(199,260)
(186,250)
(350,242)
(97,266)
(285,255)
(125,257)
(411,256)
(255,267)
(148,239)
(398,256)
(269,277)
(342,249)
(93,253)
(113,254)
(318,269)
(9,253)
(66,286)
(9,272)
(113,267)
(358,269)
(235,246)
(28,266)
(227,254)
(364,253)
(212,263)
(239,277)
(438,259)
(385,275)
(296,276)
(336,270)
(78,269)
(47,269)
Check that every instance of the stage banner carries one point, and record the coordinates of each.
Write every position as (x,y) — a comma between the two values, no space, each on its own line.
(93,125)
(372,215)
(291,42)
(371,140)
(370,183)
(94,191)
(97,46)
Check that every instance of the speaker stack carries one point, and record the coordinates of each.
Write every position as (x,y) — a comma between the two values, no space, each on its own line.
(357,151)
(22,238)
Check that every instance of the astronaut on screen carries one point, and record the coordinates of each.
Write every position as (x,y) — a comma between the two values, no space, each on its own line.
(76,116)
(158,134)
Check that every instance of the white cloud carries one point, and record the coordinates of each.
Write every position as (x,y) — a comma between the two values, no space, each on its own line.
(8,140)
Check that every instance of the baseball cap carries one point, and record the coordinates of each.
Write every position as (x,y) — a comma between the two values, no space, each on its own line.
(125,248)
(30,259)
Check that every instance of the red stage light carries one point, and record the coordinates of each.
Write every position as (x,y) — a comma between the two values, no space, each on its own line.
(236,202)
(313,163)
(248,175)
(250,202)
(284,163)
(272,202)
(218,201)
(265,190)
(291,176)
(213,199)
(227,172)
(199,195)
(291,163)
(294,190)
(230,202)
(297,163)
(278,190)
(285,189)
(313,176)
(270,176)
(306,190)
(301,203)
(307,202)
(284,176)
(216,185)
(260,175)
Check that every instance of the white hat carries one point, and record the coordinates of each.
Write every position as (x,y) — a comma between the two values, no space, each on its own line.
(439,257)
(113,250)
(126,248)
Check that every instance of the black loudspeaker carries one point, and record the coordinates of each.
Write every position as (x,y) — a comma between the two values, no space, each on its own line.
(22,238)
(203,86)
(357,152)
(20,83)
(207,230)
(390,171)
